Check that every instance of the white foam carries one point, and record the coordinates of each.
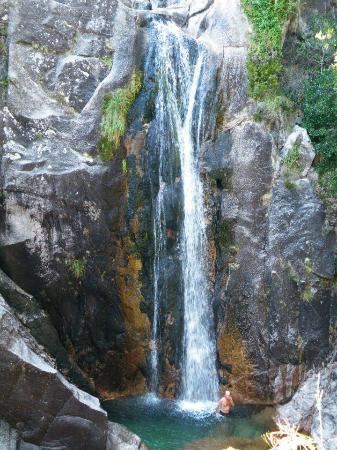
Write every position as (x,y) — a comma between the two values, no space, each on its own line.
(198,408)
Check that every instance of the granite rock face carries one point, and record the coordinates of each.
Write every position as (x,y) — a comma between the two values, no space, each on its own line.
(76,232)
(62,207)
(277,260)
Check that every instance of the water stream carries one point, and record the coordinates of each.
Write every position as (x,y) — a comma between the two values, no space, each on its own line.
(179,67)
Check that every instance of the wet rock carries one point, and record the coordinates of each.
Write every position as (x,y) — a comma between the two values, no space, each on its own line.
(76,233)
(38,322)
(223,380)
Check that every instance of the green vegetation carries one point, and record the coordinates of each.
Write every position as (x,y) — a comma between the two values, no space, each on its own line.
(293,159)
(320,119)
(4,82)
(314,57)
(264,65)
(318,50)
(3,40)
(40,47)
(116,107)
(3,30)
(271,108)
(317,96)
(290,185)
(106,61)
(124,167)
(78,268)
(308,294)
(328,182)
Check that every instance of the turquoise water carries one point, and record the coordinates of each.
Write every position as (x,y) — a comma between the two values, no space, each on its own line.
(163,425)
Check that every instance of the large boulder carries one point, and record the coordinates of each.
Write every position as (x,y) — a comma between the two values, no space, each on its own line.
(314,406)
(39,406)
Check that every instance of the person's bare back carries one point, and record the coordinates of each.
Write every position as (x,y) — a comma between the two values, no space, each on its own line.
(225,404)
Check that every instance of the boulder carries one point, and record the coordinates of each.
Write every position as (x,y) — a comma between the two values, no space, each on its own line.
(39,407)
(120,438)
(318,417)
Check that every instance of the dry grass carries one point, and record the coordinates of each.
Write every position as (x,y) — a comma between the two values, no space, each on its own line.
(287,437)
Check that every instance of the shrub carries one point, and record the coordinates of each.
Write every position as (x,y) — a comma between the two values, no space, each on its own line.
(320,117)
(116,107)
(289,185)
(318,50)
(328,182)
(316,56)
(265,56)
(272,108)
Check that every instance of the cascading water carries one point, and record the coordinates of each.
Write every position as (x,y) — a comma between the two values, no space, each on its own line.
(179,107)
(199,372)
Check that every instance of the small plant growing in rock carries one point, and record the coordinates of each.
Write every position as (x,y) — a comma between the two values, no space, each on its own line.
(40,47)
(293,159)
(4,82)
(106,61)
(308,295)
(273,108)
(78,268)
(116,107)
(124,167)
(289,185)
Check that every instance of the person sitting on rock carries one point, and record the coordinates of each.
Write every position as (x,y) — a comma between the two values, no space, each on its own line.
(225,404)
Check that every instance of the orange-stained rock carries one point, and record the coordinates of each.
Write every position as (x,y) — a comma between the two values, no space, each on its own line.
(232,351)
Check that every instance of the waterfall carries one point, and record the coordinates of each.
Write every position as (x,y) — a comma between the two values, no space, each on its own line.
(179,107)
(199,372)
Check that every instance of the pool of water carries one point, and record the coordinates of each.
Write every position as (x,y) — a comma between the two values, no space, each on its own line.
(168,425)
